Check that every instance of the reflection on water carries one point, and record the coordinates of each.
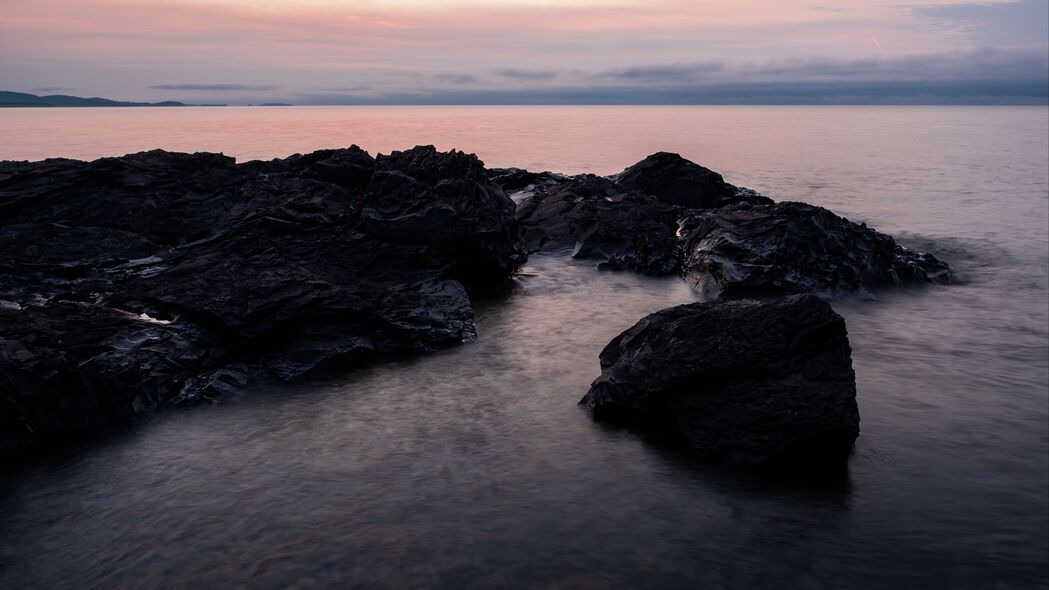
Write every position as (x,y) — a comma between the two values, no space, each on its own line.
(475,467)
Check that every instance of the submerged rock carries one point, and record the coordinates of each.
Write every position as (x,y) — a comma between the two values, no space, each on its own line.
(760,250)
(132,283)
(744,383)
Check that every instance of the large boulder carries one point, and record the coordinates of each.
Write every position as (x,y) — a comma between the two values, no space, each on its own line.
(746,383)
(127,284)
(759,250)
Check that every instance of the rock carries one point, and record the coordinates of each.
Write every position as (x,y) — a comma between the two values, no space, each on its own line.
(666,215)
(676,181)
(626,221)
(518,181)
(743,383)
(72,369)
(128,284)
(597,219)
(350,168)
(446,202)
(759,250)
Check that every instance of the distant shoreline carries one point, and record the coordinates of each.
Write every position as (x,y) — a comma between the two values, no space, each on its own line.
(22,100)
(103,106)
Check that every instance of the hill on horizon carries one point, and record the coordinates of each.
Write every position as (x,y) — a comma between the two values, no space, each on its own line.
(10,99)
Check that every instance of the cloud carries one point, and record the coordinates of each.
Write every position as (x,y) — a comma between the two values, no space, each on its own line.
(663,72)
(522,74)
(450,78)
(51,89)
(356,88)
(216,87)
(760,93)
(833,9)
(1019,21)
(985,76)
(982,64)
(404,48)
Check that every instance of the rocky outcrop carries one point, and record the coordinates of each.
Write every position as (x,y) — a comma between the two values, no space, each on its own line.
(626,221)
(745,383)
(760,250)
(130,283)
(666,215)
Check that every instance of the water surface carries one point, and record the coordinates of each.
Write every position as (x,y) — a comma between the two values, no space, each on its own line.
(474,467)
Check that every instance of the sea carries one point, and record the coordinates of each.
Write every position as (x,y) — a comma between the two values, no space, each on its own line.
(475,467)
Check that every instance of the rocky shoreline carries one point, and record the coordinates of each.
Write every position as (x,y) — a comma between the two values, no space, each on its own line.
(132,284)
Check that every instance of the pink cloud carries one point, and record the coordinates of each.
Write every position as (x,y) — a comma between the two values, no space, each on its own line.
(324,43)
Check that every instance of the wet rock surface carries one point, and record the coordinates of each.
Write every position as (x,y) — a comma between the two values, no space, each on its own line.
(626,221)
(760,250)
(743,383)
(131,283)
(667,215)
(594,218)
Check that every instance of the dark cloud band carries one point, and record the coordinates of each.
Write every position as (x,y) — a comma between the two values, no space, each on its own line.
(216,87)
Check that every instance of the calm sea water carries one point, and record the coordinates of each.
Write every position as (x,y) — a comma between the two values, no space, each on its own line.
(474,467)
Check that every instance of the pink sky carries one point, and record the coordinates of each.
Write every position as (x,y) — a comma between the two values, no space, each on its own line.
(324,50)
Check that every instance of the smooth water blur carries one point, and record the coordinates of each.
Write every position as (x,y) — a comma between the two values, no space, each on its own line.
(474,467)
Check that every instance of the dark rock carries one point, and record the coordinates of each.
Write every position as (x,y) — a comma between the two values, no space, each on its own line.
(74,369)
(745,251)
(677,181)
(517,180)
(626,221)
(666,214)
(597,219)
(446,202)
(266,269)
(349,168)
(133,283)
(744,383)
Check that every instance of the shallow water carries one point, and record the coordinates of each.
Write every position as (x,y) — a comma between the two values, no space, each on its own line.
(474,467)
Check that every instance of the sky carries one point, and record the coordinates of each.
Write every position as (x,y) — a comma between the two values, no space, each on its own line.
(529,51)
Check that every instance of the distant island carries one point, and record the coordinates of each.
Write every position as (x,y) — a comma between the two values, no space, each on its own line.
(24,99)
